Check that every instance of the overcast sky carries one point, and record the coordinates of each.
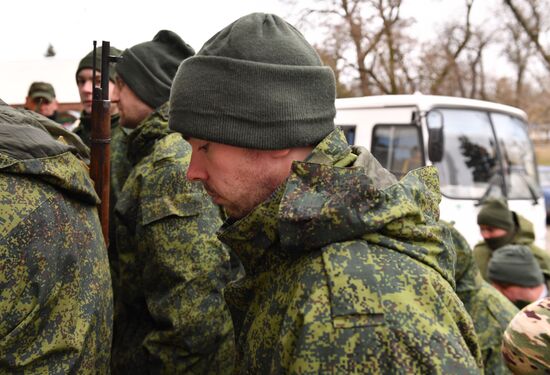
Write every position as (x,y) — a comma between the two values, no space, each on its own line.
(71,25)
(28,27)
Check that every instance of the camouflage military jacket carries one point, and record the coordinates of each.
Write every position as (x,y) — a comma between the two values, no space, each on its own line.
(120,169)
(525,236)
(526,342)
(55,288)
(347,273)
(489,309)
(170,315)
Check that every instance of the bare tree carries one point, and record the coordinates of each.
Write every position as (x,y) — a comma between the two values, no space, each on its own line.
(332,54)
(530,15)
(457,37)
(368,45)
(519,51)
(474,57)
(373,30)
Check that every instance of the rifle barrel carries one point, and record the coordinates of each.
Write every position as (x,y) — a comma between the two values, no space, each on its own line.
(100,161)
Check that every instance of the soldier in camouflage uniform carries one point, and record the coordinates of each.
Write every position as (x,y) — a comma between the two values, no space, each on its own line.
(514,272)
(170,317)
(85,84)
(120,165)
(499,226)
(41,99)
(55,288)
(490,310)
(347,270)
(526,342)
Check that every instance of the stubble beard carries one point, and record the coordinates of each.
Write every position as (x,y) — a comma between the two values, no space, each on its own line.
(262,186)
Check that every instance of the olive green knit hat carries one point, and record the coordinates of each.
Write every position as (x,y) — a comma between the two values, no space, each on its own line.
(495,213)
(258,84)
(516,265)
(87,61)
(148,68)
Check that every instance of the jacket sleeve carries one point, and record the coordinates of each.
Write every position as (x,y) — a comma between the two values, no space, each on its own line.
(184,275)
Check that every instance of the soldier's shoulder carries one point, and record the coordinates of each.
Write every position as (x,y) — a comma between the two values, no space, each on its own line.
(491,311)
(361,277)
(172,147)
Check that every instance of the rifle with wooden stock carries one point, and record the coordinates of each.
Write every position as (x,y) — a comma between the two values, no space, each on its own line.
(100,161)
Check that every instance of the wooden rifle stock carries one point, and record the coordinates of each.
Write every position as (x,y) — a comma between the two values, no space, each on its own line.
(100,161)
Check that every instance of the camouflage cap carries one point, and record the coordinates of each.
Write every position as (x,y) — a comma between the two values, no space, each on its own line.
(515,265)
(41,90)
(526,341)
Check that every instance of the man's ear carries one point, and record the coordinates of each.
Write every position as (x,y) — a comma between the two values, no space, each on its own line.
(28,102)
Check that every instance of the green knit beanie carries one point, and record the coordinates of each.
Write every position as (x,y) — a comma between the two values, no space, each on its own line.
(495,213)
(148,68)
(256,84)
(516,265)
(87,61)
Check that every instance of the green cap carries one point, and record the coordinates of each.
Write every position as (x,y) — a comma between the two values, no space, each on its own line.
(515,265)
(87,61)
(41,90)
(495,213)
(255,84)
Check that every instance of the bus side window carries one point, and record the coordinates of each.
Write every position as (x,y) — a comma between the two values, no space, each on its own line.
(397,147)
(349,132)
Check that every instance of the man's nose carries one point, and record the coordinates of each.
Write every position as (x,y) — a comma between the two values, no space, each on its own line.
(88,86)
(195,172)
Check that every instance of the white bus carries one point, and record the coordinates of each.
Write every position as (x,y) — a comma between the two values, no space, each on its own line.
(481,149)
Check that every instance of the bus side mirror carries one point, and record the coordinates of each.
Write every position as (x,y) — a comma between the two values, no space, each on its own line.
(434,120)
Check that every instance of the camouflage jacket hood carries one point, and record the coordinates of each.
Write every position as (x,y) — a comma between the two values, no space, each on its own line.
(37,146)
(525,234)
(342,193)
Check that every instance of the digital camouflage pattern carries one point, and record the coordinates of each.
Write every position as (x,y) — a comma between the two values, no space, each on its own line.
(347,272)
(120,169)
(489,309)
(170,316)
(525,236)
(526,342)
(55,288)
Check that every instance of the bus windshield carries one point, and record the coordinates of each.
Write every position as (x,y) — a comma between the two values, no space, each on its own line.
(475,166)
